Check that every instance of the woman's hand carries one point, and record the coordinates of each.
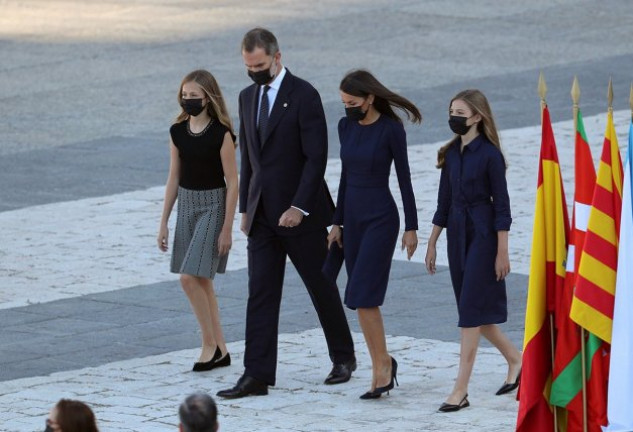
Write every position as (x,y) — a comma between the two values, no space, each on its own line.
(335,235)
(410,241)
(163,238)
(429,260)
(502,265)
(225,241)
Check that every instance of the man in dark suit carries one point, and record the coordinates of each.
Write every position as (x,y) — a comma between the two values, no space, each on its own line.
(286,208)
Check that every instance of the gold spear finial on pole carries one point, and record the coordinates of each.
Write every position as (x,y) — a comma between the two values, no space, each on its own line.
(542,91)
(575,91)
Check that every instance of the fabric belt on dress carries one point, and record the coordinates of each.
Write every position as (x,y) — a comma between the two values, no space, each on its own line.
(367,180)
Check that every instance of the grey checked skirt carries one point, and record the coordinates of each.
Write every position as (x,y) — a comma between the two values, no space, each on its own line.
(200,219)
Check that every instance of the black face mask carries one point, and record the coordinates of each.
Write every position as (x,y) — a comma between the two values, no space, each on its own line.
(458,124)
(261,77)
(193,107)
(355,113)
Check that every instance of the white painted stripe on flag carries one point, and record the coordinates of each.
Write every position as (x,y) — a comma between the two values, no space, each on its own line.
(571,252)
(582,215)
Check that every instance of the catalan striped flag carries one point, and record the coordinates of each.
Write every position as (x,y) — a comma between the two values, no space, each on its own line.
(620,372)
(592,306)
(547,274)
(567,384)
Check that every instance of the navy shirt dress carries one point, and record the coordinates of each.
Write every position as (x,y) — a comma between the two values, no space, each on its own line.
(366,208)
(473,204)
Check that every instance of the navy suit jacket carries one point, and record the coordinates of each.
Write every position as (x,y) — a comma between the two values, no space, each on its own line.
(288,168)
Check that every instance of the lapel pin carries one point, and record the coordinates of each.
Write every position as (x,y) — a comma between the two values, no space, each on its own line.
(285,104)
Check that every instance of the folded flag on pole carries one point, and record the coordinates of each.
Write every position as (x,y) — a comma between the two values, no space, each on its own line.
(592,305)
(547,274)
(567,385)
(620,412)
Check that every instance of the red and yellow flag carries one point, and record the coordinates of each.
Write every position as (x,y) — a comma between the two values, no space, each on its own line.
(567,385)
(547,275)
(592,306)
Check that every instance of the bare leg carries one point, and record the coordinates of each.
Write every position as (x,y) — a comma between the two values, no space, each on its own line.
(493,333)
(216,326)
(370,321)
(467,354)
(193,286)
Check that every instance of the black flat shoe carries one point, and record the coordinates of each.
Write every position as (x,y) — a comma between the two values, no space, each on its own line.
(207,366)
(507,388)
(446,407)
(341,372)
(224,361)
(246,386)
(377,392)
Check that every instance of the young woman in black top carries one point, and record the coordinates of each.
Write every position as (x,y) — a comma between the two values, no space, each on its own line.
(203,176)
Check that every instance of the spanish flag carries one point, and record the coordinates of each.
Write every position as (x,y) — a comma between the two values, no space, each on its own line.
(547,275)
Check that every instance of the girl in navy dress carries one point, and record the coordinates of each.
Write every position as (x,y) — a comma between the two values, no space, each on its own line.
(372,138)
(203,177)
(474,206)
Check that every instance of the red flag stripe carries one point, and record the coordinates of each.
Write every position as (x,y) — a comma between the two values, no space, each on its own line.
(602,250)
(595,296)
(603,200)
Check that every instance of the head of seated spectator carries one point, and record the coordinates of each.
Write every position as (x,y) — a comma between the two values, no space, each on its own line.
(71,416)
(198,413)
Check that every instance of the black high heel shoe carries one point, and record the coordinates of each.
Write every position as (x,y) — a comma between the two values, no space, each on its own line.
(378,391)
(207,366)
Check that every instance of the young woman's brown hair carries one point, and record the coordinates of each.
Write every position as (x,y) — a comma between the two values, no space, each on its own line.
(216,106)
(478,103)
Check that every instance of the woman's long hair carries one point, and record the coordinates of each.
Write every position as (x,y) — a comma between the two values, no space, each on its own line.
(216,106)
(362,83)
(478,104)
(75,416)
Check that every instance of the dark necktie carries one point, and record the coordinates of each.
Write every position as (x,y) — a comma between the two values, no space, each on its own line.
(263,115)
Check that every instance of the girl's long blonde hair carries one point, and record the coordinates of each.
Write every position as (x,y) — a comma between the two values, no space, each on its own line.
(217,106)
(478,104)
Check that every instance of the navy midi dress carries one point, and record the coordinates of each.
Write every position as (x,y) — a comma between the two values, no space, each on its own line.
(473,204)
(367,210)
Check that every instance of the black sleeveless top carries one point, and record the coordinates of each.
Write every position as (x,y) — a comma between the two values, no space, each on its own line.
(200,161)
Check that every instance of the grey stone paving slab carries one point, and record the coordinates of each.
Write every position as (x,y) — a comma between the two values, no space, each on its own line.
(96,329)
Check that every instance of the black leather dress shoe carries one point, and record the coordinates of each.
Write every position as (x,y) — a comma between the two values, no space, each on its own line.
(246,386)
(341,372)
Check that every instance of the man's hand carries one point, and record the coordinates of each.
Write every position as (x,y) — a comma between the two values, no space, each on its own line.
(291,218)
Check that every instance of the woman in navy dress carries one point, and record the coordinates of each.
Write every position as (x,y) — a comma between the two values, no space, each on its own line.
(474,206)
(372,138)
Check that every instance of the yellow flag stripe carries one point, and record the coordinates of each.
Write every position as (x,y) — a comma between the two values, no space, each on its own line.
(602,225)
(597,273)
(591,319)
(536,299)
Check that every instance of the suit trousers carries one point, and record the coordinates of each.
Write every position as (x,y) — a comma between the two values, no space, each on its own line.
(267,252)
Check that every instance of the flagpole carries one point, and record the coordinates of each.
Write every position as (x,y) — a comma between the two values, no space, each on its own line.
(575,97)
(631,101)
(542,91)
